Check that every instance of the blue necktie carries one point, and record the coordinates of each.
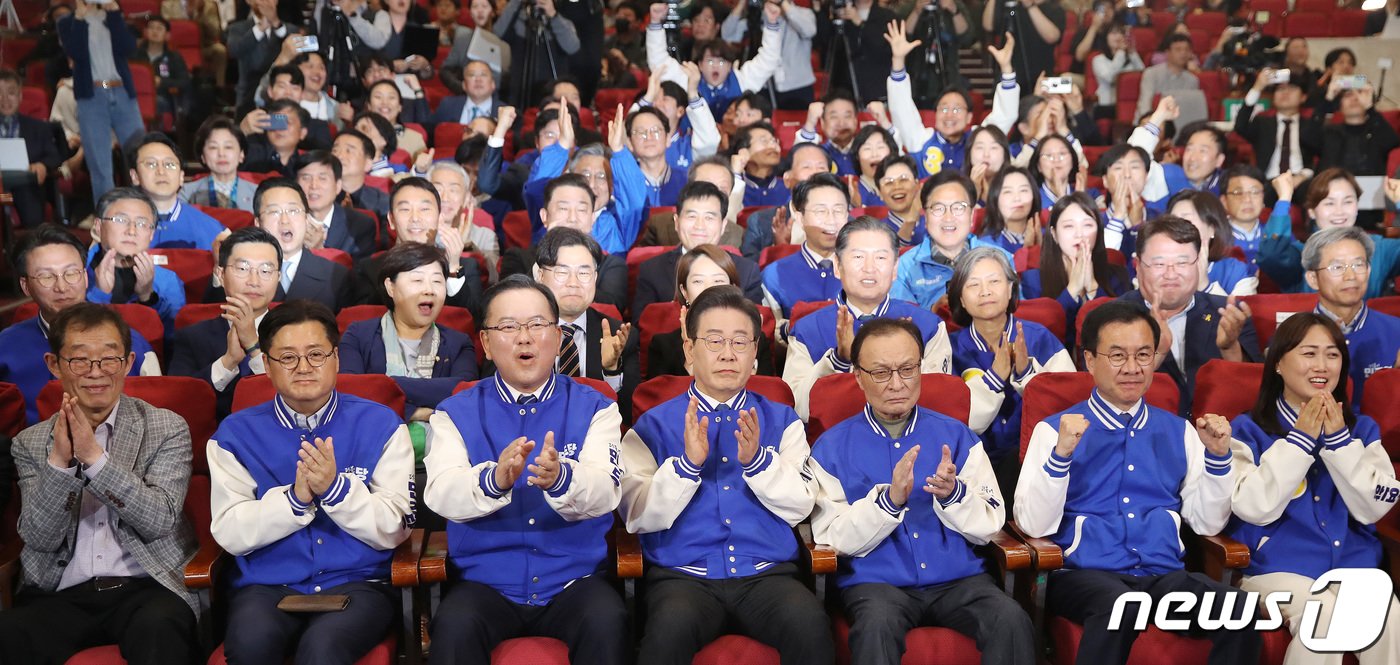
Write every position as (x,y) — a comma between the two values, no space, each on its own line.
(526,399)
(825,267)
(286,280)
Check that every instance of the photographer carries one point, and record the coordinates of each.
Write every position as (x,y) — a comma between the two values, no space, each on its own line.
(254,44)
(861,51)
(794,79)
(947,20)
(1037,26)
(561,44)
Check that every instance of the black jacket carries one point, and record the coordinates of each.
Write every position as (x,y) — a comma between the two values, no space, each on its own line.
(612,275)
(1202,321)
(656,281)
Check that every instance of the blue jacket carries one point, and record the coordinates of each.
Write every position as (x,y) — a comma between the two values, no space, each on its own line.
(22,349)
(186,227)
(362,352)
(800,277)
(617,225)
(1372,343)
(972,356)
(923,280)
(1227,272)
(817,331)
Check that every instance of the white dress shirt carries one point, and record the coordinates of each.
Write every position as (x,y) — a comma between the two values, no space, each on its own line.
(221,376)
(97,552)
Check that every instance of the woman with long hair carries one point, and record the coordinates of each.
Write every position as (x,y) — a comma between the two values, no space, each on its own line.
(987,153)
(1311,481)
(997,354)
(872,146)
(699,269)
(1074,266)
(1220,273)
(1012,218)
(1057,169)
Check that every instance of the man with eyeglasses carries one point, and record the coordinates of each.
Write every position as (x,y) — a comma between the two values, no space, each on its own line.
(49,262)
(944,147)
(595,346)
(647,129)
(1195,326)
(693,133)
(867,252)
(904,519)
(700,217)
(417,217)
(524,467)
(568,203)
(478,101)
(1117,507)
(821,206)
(773,226)
(312,491)
(120,268)
(101,483)
(1243,190)
(1337,264)
(156,168)
(330,224)
(282,210)
(715,480)
(948,197)
(224,349)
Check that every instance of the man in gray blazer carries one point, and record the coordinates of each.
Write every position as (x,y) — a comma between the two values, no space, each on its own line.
(102,484)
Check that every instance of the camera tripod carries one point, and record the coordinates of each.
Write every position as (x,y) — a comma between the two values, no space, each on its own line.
(842,45)
(536,40)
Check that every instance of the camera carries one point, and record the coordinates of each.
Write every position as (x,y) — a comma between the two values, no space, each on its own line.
(1057,85)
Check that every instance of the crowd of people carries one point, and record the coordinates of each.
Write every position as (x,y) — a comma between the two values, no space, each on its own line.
(896,232)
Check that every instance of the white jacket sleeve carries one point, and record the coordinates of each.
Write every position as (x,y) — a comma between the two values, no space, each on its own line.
(799,372)
(756,72)
(975,509)
(852,529)
(904,115)
(782,483)
(1262,491)
(1205,496)
(657,57)
(653,495)
(594,483)
(453,488)
(704,133)
(938,353)
(802,20)
(1006,105)
(242,521)
(1364,478)
(988,393)
(1040,495)
(1146,136)
(1060,362)
(376,513)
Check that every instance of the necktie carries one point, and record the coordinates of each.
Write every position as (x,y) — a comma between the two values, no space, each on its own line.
(286,280)
(1285,154)
(568,351)
(1125,419)
(11,127)
(824,267)
(526,399)
(864,317)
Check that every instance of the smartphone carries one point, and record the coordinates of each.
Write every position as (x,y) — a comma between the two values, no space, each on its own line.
(309,44)
(1134,4)
(276,122)
(1057,85)
(1384,63)
(1235,30)
(1355,82)
(1261,17)
(1280,76)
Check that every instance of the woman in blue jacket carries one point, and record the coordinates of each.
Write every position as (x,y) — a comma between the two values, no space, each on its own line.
(1074,266)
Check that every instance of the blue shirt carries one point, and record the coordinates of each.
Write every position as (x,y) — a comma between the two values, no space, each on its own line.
(186,227)
(923,272)
(22,349)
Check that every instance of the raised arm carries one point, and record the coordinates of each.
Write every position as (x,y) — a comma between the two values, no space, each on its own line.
(753,74)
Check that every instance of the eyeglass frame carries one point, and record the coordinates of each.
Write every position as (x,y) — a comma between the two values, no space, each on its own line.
(913,370)
(535,327)
(141,222)
(571,271)
(717,343)
(1137,357)
(1339,270)
(100,362)
(52,278)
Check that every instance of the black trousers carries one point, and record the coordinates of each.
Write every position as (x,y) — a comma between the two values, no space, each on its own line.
(1086,597)
(686,613)
(151,624)
(259,633)
(588,616)
(797,99)
(882,614)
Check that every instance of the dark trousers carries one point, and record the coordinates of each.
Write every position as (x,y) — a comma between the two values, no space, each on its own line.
(259,633)
(588,616)
(686,613)
(151,624)
(1086,597)
(797,99)
(29,196)
(881,615)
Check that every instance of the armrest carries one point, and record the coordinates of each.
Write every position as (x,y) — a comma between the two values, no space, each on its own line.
(1220,553)
(629,553)
(821,558)
(403,568)
(9,572)
(432,565)
(1009,553)
(205,566)
(1389,532)
(1045,554)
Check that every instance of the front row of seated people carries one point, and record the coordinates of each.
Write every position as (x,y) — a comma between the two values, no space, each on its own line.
(314,489)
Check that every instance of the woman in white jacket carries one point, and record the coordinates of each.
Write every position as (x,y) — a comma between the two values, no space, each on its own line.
(1121,57)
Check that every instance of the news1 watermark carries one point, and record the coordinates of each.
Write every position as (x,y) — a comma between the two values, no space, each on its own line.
(1362,601)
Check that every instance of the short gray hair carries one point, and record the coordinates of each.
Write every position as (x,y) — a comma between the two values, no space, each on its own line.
(121,194)
(1312,251)
(962,269)
(864,223)
(455,168)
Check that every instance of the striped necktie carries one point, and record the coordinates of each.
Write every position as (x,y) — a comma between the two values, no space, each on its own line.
(568,350)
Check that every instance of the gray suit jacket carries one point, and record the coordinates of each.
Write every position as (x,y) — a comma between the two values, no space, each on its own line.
(144,483)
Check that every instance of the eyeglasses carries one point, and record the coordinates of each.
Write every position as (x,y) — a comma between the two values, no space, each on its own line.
(153,164)
(824,214)
(1335,269)
(563,273)
(1246,193)
(1060,157)
(952,110)
(716,343)
(315,358)
(715,61)
(899,179)
(760,141)
(242,269)
(48,279)
(594,176)
(958,209)
(1160,266)
(536,327)
(142,223)
(549,135)
(274,214)
(1120,358)
(108,364)
(654,132)
(906,372)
